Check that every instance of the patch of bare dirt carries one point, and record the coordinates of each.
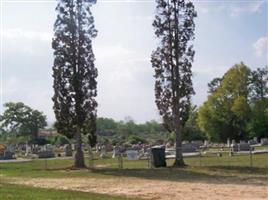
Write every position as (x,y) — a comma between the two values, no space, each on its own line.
(154,189)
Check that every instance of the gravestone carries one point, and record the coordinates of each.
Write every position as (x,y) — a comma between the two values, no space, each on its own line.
(68,150)
(36,149)
(46,152)
(10,148)
(228,142)
(206,143)
(252,142)
(197,143)
(8,155)
(169,144)
(28,150)
(144,153)
(234,146)
(116,151)
(244,147)
(188,148)
(73,147)
(49,147)
(264,141)
(132,155)
(255,139)
(98,148)
(103,152)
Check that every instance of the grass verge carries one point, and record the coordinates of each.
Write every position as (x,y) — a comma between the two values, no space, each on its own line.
(20,192)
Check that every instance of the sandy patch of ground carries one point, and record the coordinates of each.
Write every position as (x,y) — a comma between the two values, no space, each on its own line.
(154,189)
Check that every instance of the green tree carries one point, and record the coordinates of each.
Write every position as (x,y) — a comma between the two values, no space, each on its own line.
(106,124)
(74,72)
(172,61)
(121,131)
(259,84)
(134,139)
(20,119)
(214,85)
(226,112)
(191,130)
(258,125)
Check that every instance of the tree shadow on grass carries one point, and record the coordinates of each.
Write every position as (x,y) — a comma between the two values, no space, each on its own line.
(250,171)
(213,175)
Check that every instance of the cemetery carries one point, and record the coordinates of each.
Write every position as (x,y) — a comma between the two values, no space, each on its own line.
(134,152)
(140,163)
(133,100)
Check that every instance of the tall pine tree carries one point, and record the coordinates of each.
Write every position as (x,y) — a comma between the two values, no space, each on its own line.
(74,73)
(172,61)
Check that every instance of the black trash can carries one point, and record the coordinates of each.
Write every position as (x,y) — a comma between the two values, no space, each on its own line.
(158,156)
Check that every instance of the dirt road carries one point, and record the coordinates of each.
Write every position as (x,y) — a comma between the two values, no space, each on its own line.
(156,189)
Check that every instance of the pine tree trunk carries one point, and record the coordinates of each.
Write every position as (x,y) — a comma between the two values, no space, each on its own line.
(79,161)
(178,156)
(178,144)
(90,157)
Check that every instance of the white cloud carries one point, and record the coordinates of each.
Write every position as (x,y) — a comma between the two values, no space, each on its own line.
(234,9)
(18,33)
(251,7)
(261,47)
(201,8)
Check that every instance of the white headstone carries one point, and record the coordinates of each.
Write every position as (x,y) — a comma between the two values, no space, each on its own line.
(73,147)
(27,149)
(116,151)
(103,151)
(228,142)
(132,155)
(255,139)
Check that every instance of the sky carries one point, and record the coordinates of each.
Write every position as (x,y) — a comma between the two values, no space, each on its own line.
(227,32)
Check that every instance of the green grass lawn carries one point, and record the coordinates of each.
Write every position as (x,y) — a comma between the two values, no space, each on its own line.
(20,192)
(208,168)
(210,164)
(261,147)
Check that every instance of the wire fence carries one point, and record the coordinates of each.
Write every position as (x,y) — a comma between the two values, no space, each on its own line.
(203,159)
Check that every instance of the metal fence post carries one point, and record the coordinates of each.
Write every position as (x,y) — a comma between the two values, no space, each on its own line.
(118,158)
(150,166)
(120,161)
(45,164)
(91,161)
(151,160)
(200,158)
(250,156)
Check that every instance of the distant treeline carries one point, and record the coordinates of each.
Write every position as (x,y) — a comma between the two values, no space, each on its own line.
(148,132)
